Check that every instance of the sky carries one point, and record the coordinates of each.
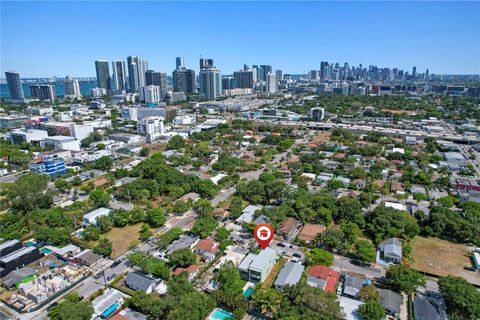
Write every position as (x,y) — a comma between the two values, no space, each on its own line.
(59,38)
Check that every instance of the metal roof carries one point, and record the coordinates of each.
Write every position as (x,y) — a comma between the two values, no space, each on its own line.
(290,274)
(424,310)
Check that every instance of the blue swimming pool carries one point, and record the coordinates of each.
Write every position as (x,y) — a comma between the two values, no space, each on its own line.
(248,293)
(220,314)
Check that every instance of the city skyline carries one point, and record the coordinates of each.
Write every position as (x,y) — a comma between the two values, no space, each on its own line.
(422,39)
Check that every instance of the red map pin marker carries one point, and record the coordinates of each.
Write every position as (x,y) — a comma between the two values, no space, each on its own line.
(264,234)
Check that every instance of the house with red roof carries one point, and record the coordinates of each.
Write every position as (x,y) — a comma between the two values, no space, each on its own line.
(207,248)
(191,271)
(323,277)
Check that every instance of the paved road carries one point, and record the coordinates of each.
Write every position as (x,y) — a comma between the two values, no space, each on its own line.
(343,264)
(222,196)
(10,178)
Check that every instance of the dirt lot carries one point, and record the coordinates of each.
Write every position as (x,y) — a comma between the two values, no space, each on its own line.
(441,258)
(322,137)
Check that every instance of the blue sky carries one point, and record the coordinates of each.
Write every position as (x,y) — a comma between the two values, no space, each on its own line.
(66,37)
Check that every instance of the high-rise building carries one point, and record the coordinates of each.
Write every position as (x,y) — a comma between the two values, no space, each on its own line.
(43,92)
(206,63)
(271,86)
(119,76)
(317,113)
(266,70)
(103,74)
(153,78)
(323,69)
(149,94)
(414,72)
(184,81)
(244,79)
(72,88)
(229,83)
(136,72)
(14,85)
(179,63)
(426,74)
(279,75)
(210,83)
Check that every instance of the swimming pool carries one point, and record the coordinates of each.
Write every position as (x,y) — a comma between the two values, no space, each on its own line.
(248,293)
(220,314)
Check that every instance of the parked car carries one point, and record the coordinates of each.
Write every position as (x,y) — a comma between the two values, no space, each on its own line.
(99,274)
(281,244)
(111,276)
(50,307)
(297,255)
(470,268)
(115,263)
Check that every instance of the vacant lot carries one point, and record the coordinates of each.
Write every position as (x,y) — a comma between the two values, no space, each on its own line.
(121,238)
(322,137)
(442,258)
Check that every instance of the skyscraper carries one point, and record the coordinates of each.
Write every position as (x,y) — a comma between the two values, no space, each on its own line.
(43,91)
(159,79)
(323,69)
(266,70)
(179,63)
(279,75)
(103,74)
(414,72)
(244,78)
(271,86)
(14,85)
(184,81)
(119,76)
(210,79)
(149,94)
(72,88)
(136,72)
(206,63)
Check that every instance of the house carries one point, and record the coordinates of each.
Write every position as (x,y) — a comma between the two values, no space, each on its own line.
(323,277)
(185,241)
(423,309)
(247,214)
(91,217)
(189,197)
(255,268)
(391,250)
(139,281)
(19,258)
(18,276)
(359,183)
(287,228)
(261,219)
(68,251)
(396,187)
(191,271)
(87,257)
(310,231)
(352,286)
(289,275)
(344,180)
(390,300)
(207,248)
(324,177)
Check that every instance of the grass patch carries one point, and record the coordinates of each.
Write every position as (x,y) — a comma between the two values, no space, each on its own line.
(274,273)
(121,238)
(439,257)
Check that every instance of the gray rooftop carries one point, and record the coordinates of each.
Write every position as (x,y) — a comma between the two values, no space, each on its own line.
(353,285)
(290,274)
(392,247)
(424,310)
(8,244)
(390,300)
(184,241)
(263,257)
(16,254)
(139,281)
(17,275)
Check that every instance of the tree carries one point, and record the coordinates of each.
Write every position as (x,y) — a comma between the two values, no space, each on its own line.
(357,173)
(230,291)
(120,218)
(62,185)
(402,278)
(91,233)
(332,238)
(71,309)
(99,198)
(369,292)
(371,310)
(387,223)
(29,192)
(144,152)
(365,251)
(145,232)
(104,223)
(182,258)
(180,286)
(193,305)
(155,217)
(103,248)
(222,233)
(236,207)
(349,209)
(319,256)
(351,231)
(104,163)
(267,301)
(204,226)
(176,142)
(462,298)
(94,136)
(180,206)
(203,208)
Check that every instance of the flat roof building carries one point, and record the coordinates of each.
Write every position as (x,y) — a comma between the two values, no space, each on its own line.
(289,275)
(255,268)
(91,217)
